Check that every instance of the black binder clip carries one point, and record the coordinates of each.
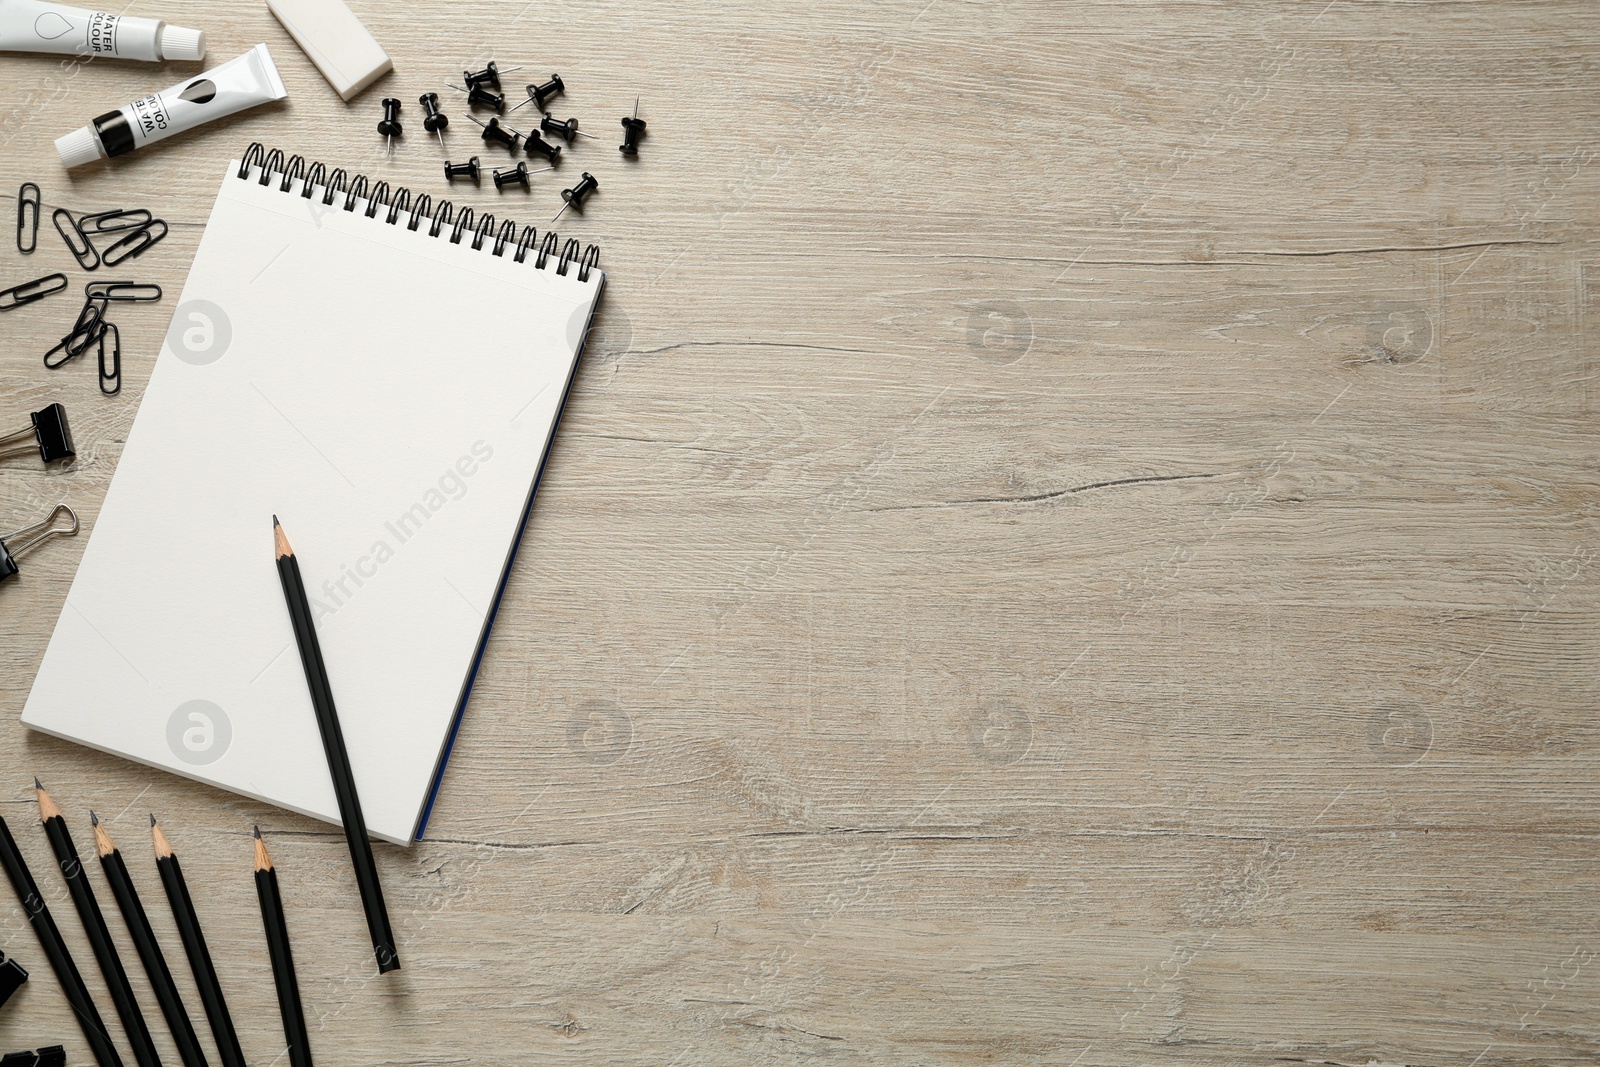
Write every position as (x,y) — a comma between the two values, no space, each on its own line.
(49,430)
(12,975)
(49,1056)
(15,544)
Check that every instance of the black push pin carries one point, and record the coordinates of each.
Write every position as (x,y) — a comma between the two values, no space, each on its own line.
(564,130)
(389,126)
(534,143)
(489,76)
(517,175)
(433,120)
(575,196)
(632,130)
(469,169)
(538,94)
(478,96)
(494,133)
(49,432)
(15,544)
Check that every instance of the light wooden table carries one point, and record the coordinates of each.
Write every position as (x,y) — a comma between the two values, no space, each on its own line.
(1075,543)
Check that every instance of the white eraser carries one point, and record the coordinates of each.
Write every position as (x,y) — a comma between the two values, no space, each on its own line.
(329,32)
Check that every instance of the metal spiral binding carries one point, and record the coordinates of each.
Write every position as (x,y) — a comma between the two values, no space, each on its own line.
(399,202)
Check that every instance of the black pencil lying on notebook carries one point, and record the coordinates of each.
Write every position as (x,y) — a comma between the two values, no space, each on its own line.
(194,946)
(55,950)
(283,976)
(94,925)
(149,949)
(344,781)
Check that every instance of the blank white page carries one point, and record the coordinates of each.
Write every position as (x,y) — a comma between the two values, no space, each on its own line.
(391,397)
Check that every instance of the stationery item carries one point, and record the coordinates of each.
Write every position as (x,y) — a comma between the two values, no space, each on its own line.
(85,332)
(405,469)
(49,1056)
(283,976)
(517,175)
(469,170)
(110,360)
(135,243)
(28,292)
(35,26)
(489,76)
(242,82)
(535,143)
(433,120)
(479,96)
(575,196)
(113,221)
(539,94)
(128,291)
(50,433)
(494,133)
(336,41)
(12,975)
(55,950)
(94,926)
(565,130)
(81,249)
(17,542)
(389,125)
(344,781)
(29,204)
(149,949)
(194,946)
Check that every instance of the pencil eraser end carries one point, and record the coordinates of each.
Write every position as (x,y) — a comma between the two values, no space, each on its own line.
(79,147)
(182,44)
(336,41)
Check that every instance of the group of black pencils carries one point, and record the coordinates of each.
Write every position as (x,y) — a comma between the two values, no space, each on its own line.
(148,948)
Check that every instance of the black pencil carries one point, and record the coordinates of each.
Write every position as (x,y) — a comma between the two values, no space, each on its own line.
(344,782)
(55,950)
(294,1019)
(144,942)
(194,946)
(94,925)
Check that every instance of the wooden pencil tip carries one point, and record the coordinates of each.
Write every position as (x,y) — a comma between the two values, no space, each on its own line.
(47,807)
(280,539)
(38,785)
(258,833)
(94,820)
(102,840)
(152,818)
(159,840)
(263,861)
(275,523)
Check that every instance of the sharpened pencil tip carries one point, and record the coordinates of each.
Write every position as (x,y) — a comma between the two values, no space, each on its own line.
(275,522)
(258,833)
(152,819)
(36,783)
(94,820)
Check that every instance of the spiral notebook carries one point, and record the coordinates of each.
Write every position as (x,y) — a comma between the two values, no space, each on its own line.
(385,374)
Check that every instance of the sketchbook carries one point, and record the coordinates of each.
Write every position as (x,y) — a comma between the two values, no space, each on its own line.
(385,374)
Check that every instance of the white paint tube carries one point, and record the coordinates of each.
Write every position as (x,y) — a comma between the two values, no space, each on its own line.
(36,26)
(239,83)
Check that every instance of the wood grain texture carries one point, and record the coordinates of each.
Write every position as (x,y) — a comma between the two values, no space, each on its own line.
(1074,543)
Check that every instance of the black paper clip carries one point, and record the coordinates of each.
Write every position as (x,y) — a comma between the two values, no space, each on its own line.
(81,249)
(113,221)
(28,206)
(135,243)
(139,291)
(15,544)
(113,376)
(85,332)
(28,292)
(50,433)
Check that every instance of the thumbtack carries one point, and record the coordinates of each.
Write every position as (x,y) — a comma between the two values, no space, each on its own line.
(564,130)
(489,76)
(49,431)
(633,129)
(469,169)
(389,125)
(433,120)
(534,143)
(575,196)
(478,96)
(494,133)
(517,175)
(15,544)
(538,94)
